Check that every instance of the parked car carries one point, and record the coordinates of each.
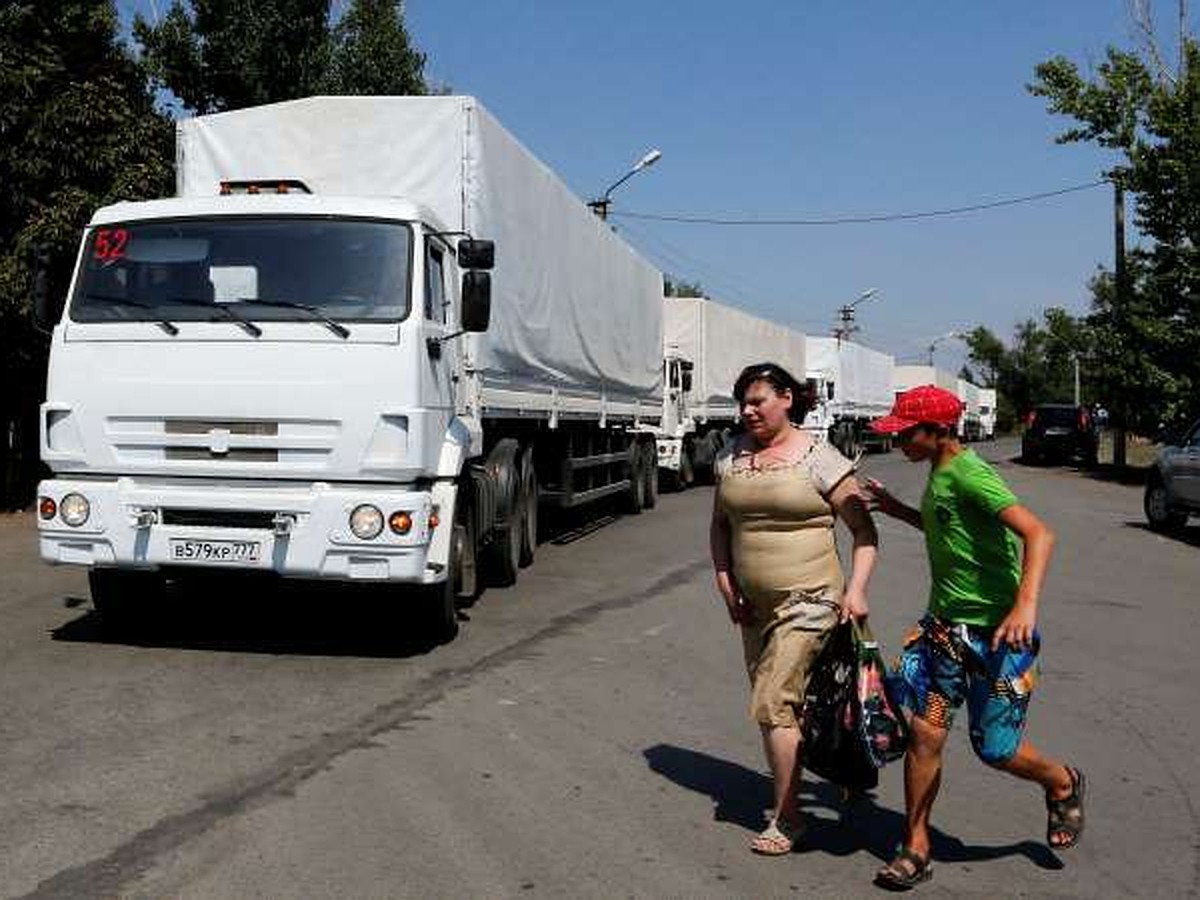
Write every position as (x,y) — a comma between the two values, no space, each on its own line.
(1059,432)
(1173,485)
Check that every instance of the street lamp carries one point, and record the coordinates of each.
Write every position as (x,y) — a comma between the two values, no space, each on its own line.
(600,207)
(944,337)
(846,315)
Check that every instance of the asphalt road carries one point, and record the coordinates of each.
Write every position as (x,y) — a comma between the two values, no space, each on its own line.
(585,736)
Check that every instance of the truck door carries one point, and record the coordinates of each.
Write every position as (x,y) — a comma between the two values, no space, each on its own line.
(441,355)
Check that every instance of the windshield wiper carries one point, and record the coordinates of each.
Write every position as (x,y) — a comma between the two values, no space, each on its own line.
(245,324)
(168,327)
(336,327)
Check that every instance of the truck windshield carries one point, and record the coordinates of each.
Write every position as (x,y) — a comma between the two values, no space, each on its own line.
(251,268)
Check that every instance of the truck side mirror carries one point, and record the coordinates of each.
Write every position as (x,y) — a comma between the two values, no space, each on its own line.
(476,300)
(474,254)
(686,381)
(45,315)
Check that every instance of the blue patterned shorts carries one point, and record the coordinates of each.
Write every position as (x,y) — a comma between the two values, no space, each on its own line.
(945,663)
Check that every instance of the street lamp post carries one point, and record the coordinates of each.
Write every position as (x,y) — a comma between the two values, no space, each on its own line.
(600,206)
(943,337)
(846,315)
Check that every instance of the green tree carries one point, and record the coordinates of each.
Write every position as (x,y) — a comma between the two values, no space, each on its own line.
(372,53)
(676,287)
(227,54)
(78,130)
(1146,330)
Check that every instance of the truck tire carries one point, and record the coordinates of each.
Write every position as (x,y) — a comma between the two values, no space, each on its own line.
(650,467)
(635,496)
(437,615)
(466,547)
(1157,504)
(502,558)
(125,599)
(687,468)
(529,509)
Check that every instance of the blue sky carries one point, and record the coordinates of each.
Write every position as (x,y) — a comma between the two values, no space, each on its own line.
(791,109)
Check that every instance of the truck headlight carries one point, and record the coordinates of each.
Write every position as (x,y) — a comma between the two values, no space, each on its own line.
(74,509)
(365,522)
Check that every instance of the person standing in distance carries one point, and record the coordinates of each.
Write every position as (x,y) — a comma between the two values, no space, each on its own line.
(978,641)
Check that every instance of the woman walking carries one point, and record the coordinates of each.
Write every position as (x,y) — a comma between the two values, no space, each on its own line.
(778,496)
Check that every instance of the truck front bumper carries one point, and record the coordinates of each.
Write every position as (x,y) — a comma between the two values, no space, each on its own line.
(298,530)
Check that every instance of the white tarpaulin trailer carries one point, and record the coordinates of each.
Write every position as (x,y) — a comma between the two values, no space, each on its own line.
(862,377)
(575,310)
(720,341)
(906,377)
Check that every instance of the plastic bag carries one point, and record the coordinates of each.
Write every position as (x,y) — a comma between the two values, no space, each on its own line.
(881,727)
(833,747)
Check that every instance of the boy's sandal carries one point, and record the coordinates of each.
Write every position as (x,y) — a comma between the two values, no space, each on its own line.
(905,871)
(1064,818)
(778,839)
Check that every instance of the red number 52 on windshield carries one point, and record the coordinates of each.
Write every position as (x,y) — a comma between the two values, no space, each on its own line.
(110,244)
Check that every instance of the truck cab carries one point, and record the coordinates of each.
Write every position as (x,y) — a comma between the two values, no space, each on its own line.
(262,380)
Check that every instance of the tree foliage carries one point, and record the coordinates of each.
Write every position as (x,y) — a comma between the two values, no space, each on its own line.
(226,54)
(78,130)
(1146,330)
(677,287)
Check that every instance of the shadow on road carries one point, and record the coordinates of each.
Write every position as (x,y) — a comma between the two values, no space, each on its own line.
(1189,535)
(741,795)
(262,616)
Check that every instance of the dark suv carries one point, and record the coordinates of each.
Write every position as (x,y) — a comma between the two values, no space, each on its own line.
(1173,485)
(1059,432)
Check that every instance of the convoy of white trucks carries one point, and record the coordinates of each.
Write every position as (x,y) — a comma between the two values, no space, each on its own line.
(367,341)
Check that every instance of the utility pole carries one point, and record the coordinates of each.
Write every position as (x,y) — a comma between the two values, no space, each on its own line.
(1119,307)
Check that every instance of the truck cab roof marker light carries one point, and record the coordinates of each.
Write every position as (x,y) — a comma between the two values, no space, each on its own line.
(265,186)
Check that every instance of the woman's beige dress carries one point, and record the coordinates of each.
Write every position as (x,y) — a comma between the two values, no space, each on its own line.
(786,566)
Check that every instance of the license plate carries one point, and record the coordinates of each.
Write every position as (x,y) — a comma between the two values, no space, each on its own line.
(186,550)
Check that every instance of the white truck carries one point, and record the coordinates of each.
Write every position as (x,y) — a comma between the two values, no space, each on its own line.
(706,346)
(300,365)
(851,385)
(987,414)
(970,427)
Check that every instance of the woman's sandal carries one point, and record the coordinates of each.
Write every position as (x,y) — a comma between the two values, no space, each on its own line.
(1064,818)
(905,871)
(779,839)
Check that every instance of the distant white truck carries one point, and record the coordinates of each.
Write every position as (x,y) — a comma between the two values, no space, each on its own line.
(851,385)
(297,366)
(970,426)
(706,347)
(987,413)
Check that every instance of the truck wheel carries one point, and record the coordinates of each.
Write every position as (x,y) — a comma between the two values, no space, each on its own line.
(465,548)
(503,553)
(438,615)
(1157,504)
(635,496)
(650,467)
(529,509)
(687,468)
(124,599)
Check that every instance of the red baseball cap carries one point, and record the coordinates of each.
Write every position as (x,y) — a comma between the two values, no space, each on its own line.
(927,403)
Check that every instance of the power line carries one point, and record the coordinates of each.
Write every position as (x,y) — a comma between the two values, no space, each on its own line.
(860,220)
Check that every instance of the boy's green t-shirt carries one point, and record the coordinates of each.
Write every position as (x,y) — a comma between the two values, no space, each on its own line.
(974,559)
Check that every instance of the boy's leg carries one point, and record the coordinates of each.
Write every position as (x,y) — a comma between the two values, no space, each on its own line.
(922,778)
(997,702)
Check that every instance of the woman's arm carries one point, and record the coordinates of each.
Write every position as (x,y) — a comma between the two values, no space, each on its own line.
(847,502)
(722,557)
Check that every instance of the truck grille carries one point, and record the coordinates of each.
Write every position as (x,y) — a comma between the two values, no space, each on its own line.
(201,440)
(219,518)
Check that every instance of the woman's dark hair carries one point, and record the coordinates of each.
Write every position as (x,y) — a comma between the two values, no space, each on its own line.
(780,380)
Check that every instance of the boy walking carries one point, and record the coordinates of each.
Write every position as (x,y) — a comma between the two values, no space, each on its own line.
(978,641)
